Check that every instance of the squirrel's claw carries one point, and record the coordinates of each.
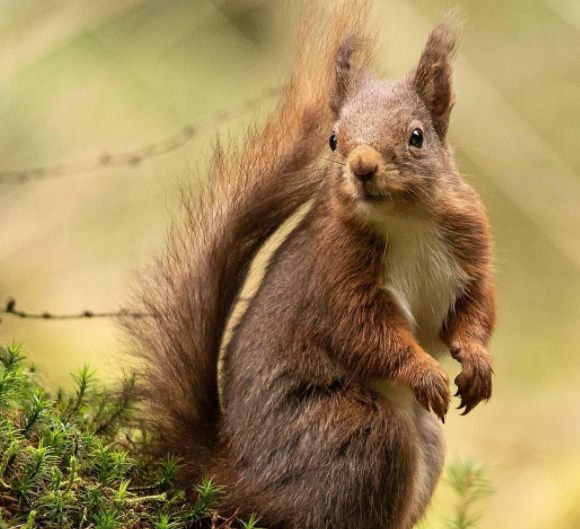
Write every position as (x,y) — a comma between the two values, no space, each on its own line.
(474,383)
(431,389)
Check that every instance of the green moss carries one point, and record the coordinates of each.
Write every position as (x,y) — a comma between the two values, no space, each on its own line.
(75,458)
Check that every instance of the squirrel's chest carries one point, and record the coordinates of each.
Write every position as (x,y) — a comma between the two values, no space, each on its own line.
(421,277)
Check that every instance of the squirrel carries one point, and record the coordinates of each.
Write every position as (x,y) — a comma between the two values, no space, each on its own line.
(326,411)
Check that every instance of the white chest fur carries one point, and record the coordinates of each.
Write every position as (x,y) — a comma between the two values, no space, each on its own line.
(421,276)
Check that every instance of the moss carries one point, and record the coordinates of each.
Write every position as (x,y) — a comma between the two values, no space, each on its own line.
(76,458)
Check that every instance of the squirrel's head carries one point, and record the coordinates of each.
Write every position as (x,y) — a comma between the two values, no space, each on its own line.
(389,145)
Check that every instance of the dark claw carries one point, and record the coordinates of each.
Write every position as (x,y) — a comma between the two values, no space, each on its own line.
(468,409)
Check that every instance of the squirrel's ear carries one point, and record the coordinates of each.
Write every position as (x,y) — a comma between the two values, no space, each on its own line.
(432,79)
(344,73)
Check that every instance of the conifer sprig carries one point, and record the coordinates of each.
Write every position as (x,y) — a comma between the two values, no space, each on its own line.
(470,483)
(76,459)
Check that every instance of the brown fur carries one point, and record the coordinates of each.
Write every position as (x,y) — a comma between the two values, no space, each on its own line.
(301,436)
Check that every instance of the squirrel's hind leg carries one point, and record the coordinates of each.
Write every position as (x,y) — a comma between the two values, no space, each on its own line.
(342,460)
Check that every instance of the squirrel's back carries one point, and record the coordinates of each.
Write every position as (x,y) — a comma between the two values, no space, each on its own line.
(252,189)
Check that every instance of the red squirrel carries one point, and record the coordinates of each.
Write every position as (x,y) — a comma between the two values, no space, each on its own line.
(330,396)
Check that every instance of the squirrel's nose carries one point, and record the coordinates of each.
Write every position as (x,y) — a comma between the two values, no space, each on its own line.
(364,163)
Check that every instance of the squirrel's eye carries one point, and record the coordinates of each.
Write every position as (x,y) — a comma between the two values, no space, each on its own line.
(333,142)
(417,140)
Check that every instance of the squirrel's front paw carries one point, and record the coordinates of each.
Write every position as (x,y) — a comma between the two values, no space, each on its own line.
(474,381)
(431,387)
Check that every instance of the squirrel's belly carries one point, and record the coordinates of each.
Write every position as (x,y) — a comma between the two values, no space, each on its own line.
(425,304)
(423,280)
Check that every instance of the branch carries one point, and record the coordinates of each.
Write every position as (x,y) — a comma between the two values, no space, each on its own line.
(133,157)
(11,310)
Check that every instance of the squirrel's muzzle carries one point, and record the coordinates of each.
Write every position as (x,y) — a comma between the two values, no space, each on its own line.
(364,162)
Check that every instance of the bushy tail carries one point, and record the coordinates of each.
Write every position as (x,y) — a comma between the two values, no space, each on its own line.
(252,189)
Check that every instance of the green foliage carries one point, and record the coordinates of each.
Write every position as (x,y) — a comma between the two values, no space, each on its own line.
(77,459)
(250,524)
(470,484)
(469,481)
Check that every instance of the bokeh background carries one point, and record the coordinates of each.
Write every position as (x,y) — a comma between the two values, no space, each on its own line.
(80,79)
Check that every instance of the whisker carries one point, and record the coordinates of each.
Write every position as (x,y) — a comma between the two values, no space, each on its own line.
(435,178)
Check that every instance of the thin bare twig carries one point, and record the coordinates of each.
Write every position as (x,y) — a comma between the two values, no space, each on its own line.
(11,310)
(133,157)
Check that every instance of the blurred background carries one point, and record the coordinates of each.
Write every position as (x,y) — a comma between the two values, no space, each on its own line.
(82,80)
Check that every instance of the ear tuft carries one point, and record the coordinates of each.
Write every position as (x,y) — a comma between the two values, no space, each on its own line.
(344,72)
(433,79)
